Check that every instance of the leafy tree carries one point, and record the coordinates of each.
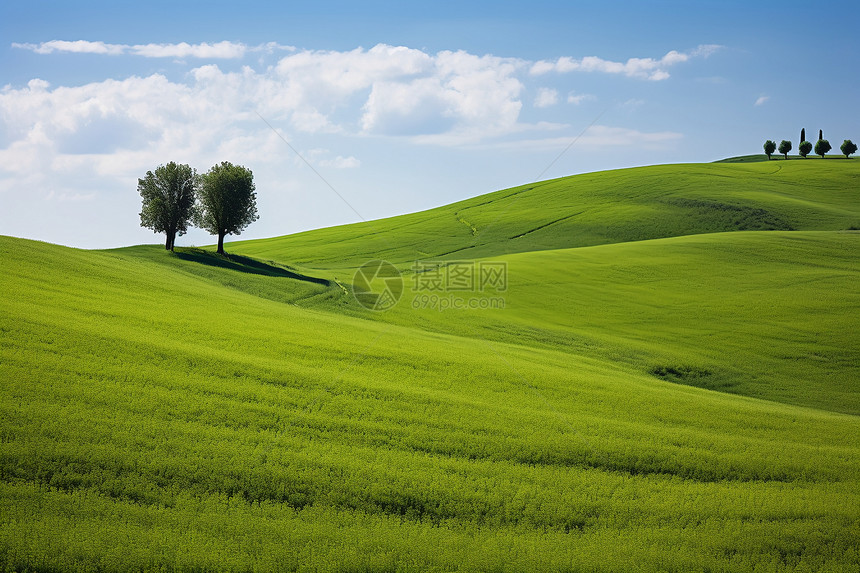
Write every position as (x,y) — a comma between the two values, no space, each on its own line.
(769,148)
(227,201)
(848,147)
(822,146)
(802,134)
(804,148)
(168,200)
(820,134)
(784,147)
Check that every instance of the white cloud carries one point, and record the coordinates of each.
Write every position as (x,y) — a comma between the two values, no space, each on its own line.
(77,47)
(463,96)
(225,50)
(85,142)
(761,100)
(218,50)
(642,68)
(73,146)
(546,97)
(448,98)
(576,99)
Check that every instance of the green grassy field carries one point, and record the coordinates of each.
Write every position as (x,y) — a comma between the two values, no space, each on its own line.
(667,387)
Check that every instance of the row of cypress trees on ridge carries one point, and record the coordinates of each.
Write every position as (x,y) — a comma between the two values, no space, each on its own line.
(822,146)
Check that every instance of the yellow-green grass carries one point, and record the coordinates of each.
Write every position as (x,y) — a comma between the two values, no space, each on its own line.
(154,419)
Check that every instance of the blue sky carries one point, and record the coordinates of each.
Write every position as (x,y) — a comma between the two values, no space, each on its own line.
(397,106)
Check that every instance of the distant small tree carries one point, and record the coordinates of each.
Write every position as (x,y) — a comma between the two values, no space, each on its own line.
(802,134)
(804,148)
(820,134)
(769,148)
(168,200)
(227,201)
(822,146)
(784,147)
(848,147)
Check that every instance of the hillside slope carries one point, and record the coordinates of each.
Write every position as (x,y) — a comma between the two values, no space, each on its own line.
(592,209)
(154,417)
(773,315)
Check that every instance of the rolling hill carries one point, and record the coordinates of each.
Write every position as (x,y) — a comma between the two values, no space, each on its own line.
(671,383)
(593,209)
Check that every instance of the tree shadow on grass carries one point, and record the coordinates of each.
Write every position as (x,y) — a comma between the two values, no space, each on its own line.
(243,264)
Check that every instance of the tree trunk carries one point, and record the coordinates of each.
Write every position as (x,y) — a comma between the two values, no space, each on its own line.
(220,243)
(167,245)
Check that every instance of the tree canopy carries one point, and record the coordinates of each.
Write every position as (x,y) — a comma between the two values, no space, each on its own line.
(822,146)
(769,148)
(784,147)
(804,148)
(848,147)
(227,201)
(168,195)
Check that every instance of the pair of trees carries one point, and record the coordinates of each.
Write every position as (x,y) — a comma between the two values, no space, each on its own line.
(222,201)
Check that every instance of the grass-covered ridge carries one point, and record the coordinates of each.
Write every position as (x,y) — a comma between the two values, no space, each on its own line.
(593,209)
(190,412)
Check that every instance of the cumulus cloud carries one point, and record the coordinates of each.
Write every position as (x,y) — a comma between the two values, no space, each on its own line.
(453,92)
(117,128)
(642,68)
(447,98)
(70,143)
(761,100)
(546,97)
